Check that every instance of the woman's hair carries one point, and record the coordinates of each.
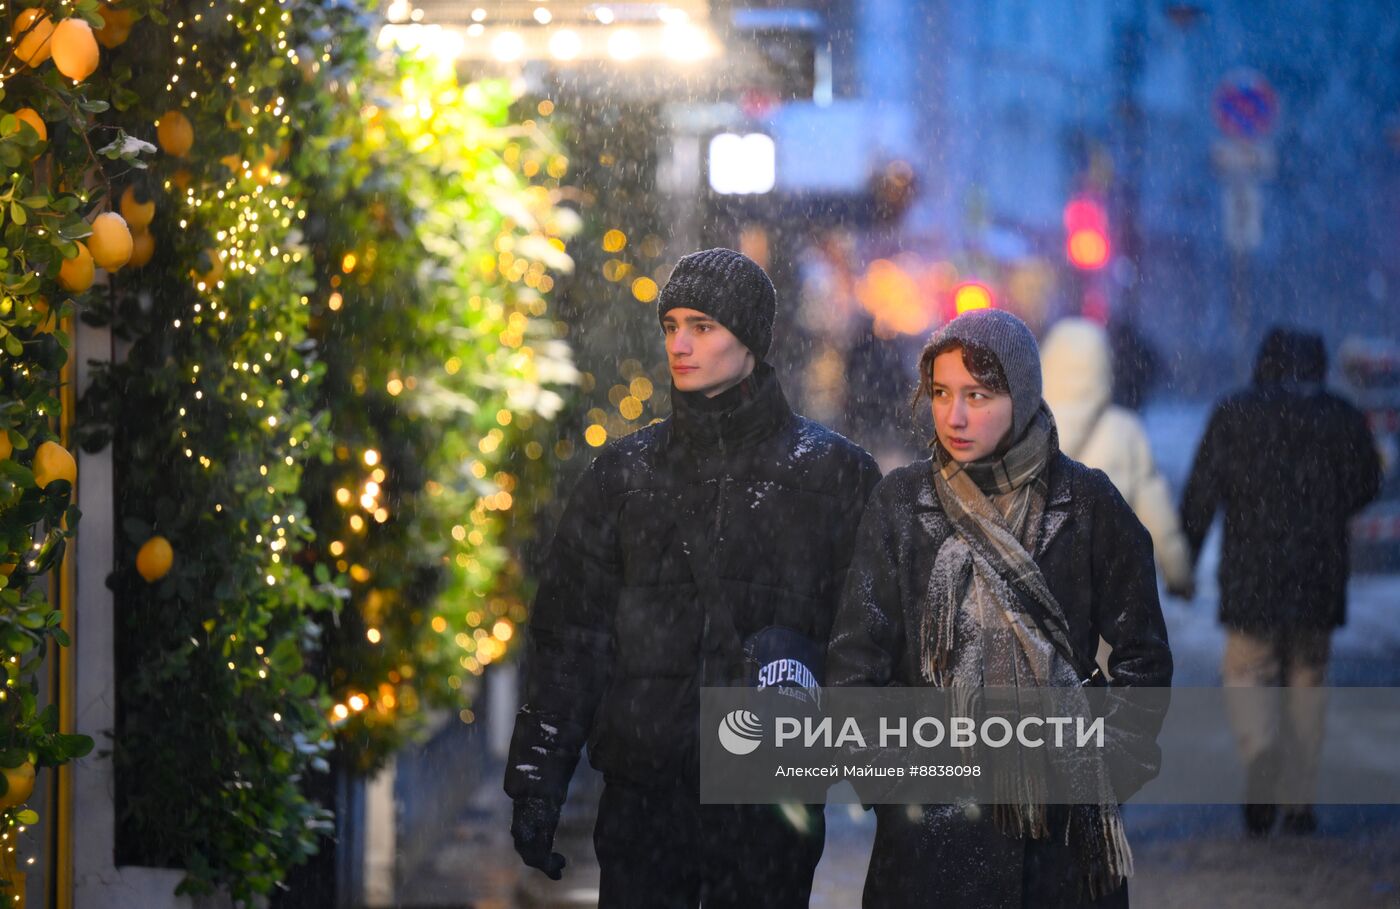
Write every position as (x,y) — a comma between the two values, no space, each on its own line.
(981,363)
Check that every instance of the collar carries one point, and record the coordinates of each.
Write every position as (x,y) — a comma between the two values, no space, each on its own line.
(744,415)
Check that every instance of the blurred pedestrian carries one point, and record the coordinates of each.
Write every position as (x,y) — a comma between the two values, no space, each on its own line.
(683,545)
(1289,463)
(1136,364)
(999,563)
(1078,374)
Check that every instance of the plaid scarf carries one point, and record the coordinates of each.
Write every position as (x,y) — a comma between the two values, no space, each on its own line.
(990,621)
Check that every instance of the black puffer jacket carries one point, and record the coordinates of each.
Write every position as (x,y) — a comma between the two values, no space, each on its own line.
(620,638)
(1290,464)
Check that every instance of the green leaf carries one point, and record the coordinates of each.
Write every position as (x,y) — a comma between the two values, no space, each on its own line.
(27,816)
(18,440)
(72,746)
(17,213)
(62,637)
(13,346)
(94,107)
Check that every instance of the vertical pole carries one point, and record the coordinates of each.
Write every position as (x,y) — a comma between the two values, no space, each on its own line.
(1130,51)
(66,584)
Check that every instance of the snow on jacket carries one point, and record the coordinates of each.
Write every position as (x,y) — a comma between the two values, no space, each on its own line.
(1097,561)
(1289,464)
(1078,376)
(620,640)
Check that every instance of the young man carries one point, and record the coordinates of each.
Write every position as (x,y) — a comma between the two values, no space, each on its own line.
(680,542)
(1289,464)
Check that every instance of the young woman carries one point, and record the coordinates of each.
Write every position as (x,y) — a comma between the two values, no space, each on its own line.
(999,562)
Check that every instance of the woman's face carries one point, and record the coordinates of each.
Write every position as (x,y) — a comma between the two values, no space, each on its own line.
(971,419)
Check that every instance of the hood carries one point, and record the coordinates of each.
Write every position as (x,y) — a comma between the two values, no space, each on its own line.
(1288,356)
(1078,370)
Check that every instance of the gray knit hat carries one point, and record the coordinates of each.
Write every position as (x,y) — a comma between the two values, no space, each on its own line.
(730,288)
(1011,342)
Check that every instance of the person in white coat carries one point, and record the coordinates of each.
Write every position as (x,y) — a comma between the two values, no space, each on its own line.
(1078,374)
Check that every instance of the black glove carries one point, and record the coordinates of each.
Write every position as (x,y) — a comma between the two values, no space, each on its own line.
(532,827)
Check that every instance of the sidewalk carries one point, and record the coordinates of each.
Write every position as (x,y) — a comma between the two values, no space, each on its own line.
(1185,856)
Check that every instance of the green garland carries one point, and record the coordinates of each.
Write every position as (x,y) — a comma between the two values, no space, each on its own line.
(327,304)
(211,415)
(60,147)
(435,258)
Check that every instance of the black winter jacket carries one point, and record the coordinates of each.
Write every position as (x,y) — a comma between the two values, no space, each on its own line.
(1290,464)
(620,641)
(1097,561)
(1094,553)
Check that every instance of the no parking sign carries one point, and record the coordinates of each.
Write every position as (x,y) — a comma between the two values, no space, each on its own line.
(1245,105)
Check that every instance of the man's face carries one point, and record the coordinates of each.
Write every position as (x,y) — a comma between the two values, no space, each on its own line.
(704,356)
(970,419)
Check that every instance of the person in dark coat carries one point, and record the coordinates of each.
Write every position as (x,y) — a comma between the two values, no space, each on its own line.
(1289,464)
(681,542)
(999,562)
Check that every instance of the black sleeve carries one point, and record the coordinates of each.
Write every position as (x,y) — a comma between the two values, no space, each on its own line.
(865,481)
(1362,462)
(868,634)
(1128,615)
(570,644)
(1203,490)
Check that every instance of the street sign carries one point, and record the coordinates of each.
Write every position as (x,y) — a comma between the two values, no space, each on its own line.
(1245,105)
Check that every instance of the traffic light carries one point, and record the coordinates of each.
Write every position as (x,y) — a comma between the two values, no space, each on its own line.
(970,295)
(1086,234)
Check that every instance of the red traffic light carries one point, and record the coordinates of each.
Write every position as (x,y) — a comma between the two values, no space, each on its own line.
(1086,234)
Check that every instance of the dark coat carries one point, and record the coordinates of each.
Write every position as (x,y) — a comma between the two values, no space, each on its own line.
(620,641)
(1290,464)
(1097,561)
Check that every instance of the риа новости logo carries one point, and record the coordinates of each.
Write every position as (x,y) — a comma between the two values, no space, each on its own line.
(740,732)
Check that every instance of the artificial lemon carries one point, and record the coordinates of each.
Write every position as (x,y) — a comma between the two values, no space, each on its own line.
(116,26)
(215,272)
(53,462)
(154,558)
(174,133)
(37,29)
(110,242)
(76,274)
(137,208)
(46,321)
(74,49)
(21,785)
(31,116)
(143,246)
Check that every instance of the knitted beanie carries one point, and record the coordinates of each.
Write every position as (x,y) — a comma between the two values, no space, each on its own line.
(730,288)
(1011,342)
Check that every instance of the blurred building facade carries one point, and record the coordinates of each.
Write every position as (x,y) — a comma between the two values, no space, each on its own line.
(1019,105)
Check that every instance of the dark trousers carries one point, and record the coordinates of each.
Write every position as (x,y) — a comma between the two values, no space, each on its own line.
(664,850)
